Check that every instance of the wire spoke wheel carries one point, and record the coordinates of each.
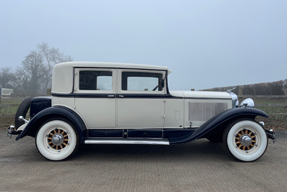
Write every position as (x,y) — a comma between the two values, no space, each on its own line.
(56,140)
(246,140)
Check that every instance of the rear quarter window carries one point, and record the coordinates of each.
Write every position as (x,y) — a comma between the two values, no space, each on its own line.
(95,80)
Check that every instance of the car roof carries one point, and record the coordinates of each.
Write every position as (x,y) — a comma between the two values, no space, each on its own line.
(112,65)
(62,81)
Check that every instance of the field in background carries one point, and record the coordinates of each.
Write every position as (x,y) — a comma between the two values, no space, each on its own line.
(8,109)
(269,104)
(275,108)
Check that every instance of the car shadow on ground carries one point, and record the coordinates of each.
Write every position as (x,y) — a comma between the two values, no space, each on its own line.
(197,150)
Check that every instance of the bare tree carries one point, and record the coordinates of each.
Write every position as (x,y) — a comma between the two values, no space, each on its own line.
(30,74)
(51,56)
(35,74)
(7,77)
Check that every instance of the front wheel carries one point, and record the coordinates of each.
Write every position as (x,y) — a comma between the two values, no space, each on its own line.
(246,140)
(57,140)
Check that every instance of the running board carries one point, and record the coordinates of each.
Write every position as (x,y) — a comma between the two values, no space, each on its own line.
(128,141)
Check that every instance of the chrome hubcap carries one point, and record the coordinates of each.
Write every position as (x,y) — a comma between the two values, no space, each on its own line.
(57,139)
(245,140)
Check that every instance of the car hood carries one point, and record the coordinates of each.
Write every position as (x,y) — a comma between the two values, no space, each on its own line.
(201,94)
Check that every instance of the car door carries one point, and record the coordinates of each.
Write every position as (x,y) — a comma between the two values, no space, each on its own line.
(95,102)
(140,99)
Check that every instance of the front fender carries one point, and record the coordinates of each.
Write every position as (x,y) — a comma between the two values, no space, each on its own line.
(216,121)
(53,112)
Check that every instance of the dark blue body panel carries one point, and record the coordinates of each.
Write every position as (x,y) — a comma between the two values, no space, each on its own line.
(54,112)
(38,104)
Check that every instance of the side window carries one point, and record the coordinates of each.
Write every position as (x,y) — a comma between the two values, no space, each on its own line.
(95,80)
(141,81)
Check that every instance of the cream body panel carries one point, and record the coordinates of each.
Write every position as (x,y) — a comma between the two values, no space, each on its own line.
(176,93)
(62,80)
(63,101)
(174,113)
(97,113)
(206,94)
(111,65)
(140,113)
(22,127)
(174,110)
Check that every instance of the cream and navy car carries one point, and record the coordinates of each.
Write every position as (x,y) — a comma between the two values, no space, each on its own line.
(116,103)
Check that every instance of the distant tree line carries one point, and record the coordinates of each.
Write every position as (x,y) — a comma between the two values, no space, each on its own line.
(271,88)
(33,76)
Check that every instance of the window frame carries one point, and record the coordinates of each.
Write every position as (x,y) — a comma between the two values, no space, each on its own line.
(77,80)
(120,90)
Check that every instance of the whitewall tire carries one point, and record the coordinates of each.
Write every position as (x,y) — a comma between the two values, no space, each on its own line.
(246,140)
(57,140)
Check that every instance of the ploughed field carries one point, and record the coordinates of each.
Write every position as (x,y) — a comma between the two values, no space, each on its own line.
(9,106)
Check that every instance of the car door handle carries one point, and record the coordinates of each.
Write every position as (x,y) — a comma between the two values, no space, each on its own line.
(121,96)
(110,96)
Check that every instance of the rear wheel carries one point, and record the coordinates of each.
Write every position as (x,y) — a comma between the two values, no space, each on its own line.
(246,140)
(57,140)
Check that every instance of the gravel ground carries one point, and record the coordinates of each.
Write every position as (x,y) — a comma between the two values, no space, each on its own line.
(197,166)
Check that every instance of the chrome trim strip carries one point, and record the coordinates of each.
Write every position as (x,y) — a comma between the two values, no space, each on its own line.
(131,96)
(141,142)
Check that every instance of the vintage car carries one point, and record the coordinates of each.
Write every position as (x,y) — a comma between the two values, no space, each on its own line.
(113,103)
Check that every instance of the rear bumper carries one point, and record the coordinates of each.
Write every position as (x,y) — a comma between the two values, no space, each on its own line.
(271,135)
(12,131)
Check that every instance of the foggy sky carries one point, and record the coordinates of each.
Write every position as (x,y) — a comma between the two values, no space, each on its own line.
(206,43)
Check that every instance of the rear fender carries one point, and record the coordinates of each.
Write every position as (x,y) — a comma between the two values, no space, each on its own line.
(38,104)
(22,127)
(54,112)
(219,120)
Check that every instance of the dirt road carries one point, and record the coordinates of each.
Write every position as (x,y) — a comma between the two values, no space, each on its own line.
(196,166)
